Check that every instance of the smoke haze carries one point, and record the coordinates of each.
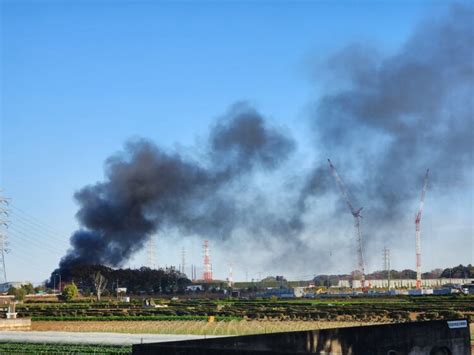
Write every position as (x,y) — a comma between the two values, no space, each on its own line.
(384,121)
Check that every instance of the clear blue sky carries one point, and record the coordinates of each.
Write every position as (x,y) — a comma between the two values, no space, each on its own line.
(79,78)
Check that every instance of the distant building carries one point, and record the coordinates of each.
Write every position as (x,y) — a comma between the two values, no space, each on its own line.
(278,292)
(194,288)
(404,283)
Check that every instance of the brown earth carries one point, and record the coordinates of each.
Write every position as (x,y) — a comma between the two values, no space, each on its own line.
(186,327)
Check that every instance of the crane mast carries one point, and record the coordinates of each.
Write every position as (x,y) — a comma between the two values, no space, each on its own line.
(418,231)
(357,217)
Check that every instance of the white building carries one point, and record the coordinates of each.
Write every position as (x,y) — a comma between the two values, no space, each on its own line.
(404,283)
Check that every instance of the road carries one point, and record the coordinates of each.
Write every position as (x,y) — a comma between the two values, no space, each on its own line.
(91,338)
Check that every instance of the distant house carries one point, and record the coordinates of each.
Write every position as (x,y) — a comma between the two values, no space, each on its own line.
(194,288)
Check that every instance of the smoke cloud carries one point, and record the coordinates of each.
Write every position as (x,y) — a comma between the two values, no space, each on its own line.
(147,188)
(383,122)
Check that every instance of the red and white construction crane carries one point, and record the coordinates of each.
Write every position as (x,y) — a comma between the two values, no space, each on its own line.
(356,214)
(418,231)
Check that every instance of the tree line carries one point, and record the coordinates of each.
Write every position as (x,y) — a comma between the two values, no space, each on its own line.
(103,280)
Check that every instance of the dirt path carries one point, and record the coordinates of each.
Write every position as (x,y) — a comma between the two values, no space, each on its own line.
(89,338)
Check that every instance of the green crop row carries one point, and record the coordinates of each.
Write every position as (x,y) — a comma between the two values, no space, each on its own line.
(133,318)
(35,348)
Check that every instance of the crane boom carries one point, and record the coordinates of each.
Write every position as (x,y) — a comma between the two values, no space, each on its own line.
(342,187)
(418,230)
(357,217)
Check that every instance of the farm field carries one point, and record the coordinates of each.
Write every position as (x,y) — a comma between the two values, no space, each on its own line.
(32,348)
(188,327)
(357,309)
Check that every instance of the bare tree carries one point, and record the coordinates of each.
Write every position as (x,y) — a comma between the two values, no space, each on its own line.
(100,283)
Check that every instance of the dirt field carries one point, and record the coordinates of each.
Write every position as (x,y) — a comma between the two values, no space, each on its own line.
(187,327)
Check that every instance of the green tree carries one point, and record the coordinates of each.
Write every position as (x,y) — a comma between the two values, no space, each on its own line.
(19,293)
(29,289)
(70,292)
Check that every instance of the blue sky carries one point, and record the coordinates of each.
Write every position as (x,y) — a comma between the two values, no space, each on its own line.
(80,78)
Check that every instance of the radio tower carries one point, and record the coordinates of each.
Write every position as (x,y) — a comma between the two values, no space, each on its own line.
(151,252)
(418,231)
(207,276)
(356,214)
(3,238)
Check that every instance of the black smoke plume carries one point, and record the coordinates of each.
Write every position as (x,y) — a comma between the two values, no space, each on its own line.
(147,188)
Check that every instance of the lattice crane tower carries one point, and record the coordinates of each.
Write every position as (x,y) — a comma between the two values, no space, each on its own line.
(418,230)
(357,216)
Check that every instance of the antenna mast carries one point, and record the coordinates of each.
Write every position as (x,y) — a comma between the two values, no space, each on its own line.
(357,216)
(418,231)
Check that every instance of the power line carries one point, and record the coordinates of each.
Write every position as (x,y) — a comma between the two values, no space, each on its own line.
(36,236)
(31,225)
(41,244)
(36,220)
(4,222)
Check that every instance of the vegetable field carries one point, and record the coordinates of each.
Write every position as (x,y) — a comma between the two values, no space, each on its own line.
(32,348)
(359,309)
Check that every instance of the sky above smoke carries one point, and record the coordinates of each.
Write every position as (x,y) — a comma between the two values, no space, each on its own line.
(383,121)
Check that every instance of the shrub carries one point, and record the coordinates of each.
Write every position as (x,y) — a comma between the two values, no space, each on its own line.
(70,292)
(19,293)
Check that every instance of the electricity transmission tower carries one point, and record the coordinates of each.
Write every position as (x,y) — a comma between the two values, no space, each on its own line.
(386,264)
(183,261)
(151,252)
(3,237)
(207,276)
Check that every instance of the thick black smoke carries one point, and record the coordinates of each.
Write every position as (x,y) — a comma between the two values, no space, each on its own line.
(147,188)
(383,122)
(395,117)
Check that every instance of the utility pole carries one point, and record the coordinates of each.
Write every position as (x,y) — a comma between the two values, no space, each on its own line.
(3,237)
